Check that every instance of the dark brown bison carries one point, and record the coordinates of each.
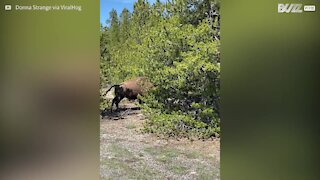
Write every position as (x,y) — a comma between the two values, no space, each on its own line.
(130,89)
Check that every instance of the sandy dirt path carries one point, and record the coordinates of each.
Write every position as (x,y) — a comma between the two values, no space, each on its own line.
(126,153)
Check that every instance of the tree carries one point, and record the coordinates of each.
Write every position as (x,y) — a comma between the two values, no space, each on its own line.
(114,27)
(140,17)
(125,17)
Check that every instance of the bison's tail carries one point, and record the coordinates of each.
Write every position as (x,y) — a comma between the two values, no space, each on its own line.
(110,89)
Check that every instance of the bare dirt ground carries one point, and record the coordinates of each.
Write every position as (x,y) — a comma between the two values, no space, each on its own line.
(126,153)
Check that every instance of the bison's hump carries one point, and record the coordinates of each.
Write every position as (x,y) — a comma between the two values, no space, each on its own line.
(137,85)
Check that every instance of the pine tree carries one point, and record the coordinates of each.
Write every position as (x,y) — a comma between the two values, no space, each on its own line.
(140,17)
(125,18)
(114,27)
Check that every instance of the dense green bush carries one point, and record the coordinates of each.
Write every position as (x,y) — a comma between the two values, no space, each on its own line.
(177,125)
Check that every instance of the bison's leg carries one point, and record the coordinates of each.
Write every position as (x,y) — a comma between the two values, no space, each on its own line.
(118,101)
(115,101)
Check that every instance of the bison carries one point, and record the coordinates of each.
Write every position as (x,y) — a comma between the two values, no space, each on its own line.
(130,89)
